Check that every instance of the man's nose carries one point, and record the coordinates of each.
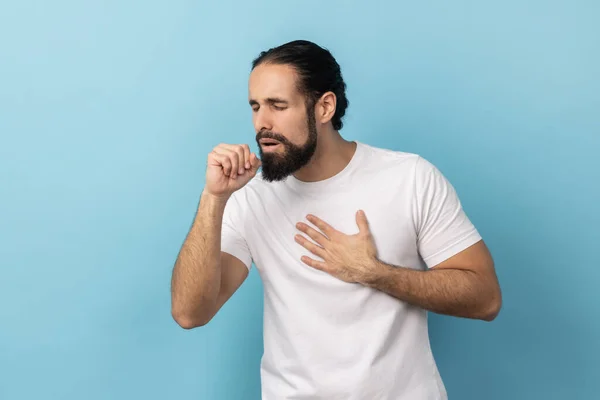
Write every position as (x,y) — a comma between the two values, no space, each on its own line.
(262,121)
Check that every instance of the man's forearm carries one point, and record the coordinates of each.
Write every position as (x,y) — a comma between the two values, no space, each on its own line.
(455,292)
(197,276)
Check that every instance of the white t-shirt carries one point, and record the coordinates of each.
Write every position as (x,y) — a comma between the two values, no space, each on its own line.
(328,339)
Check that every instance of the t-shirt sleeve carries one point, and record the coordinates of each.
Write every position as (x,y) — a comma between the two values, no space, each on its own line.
(232,232)
(443,228)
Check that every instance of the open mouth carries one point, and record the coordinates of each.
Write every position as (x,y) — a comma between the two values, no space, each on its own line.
(269,143)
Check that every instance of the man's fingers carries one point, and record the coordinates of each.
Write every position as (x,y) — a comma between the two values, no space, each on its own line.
(322,225)
(310,246)
(362,222)
(314,263)
(247,163)
(241,158)
(234,157)
(312,233)
(224,161)
(239,150)
(255,162)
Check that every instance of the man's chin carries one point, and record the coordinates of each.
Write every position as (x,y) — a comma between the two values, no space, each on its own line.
(274,176)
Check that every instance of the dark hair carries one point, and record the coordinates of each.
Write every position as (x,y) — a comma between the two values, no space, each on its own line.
(318,72)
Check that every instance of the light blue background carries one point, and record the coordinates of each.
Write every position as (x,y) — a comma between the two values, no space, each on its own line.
(107,112)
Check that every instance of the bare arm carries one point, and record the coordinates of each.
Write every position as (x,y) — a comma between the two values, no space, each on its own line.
(465,285)
(196,278)
(204,277)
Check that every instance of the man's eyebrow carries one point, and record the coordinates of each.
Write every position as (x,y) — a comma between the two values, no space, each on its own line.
(270,100)
(276,100)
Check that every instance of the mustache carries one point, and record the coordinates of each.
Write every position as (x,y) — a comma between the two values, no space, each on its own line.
(271,135)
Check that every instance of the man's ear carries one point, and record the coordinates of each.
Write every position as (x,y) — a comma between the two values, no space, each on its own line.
(325,109)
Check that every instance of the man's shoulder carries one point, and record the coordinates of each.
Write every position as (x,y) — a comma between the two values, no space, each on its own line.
(392,163)
(387,157)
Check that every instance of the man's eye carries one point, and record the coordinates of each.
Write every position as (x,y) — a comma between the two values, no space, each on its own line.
(279,108)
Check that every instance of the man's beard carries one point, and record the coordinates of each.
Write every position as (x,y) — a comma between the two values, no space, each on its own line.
(276,166)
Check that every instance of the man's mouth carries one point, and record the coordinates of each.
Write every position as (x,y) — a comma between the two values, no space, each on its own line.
(269,142)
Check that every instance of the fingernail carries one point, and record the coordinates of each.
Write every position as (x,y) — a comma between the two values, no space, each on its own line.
(241,171)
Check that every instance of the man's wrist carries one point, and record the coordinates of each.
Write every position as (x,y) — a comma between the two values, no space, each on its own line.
(212,204)
(214,199)
(375,271)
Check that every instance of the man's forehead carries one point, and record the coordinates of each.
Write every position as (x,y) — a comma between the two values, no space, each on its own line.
(272,81)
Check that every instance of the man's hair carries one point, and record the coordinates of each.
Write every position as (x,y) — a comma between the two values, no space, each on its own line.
(317,69)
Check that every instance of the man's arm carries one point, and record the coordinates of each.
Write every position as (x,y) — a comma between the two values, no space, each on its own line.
(465,285)
(204,278)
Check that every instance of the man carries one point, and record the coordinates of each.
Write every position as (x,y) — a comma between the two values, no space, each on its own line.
(354,244)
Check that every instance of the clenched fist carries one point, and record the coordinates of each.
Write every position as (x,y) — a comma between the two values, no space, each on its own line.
(230,167)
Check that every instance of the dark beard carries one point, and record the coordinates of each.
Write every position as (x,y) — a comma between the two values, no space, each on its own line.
(278,166)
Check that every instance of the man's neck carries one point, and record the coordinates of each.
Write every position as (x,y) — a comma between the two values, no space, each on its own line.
(332,155)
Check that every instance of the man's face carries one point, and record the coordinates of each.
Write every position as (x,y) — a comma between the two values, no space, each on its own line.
(286,130)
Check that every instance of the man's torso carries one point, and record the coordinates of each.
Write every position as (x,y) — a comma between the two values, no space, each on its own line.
(325,338)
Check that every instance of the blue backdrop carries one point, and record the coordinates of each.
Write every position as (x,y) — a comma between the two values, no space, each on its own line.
(109,108)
